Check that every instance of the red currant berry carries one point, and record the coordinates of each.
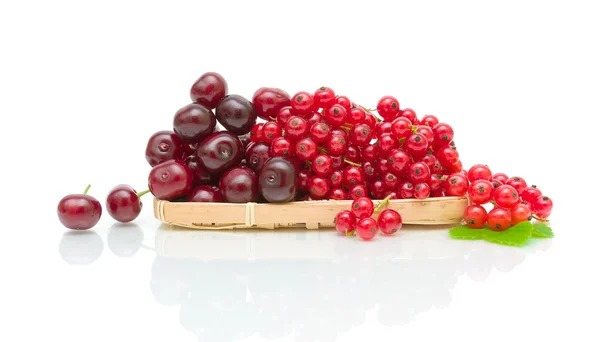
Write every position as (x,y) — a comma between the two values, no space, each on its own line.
(337,194)
(363,207)
(401,128)
(337,162)
(388,107)
(281,147)
(520,213)
(456,185)
(475,216)
(306,149)
(296,128)
(383,166)
(506,196)
(335,178)
(443,134)
(319,132)
(339,132)
(356,116)
(518,183)
(389,221)
(352,154)
(430,120)
(336,144)
(360,135)
(501,177)
(335,115)
(321,165)
(371,121)
(422,190)
(382,128)
(427,133)
(357,191)
(318,187)
(436,182)
(369,171)
(430,160)
(417,145)
(316,117)
(353,175)
(344,101)
(303,103)
(410,115)
(418,173)
(283,115)
(390,181)
(366,228)
(345,222)
(376,190)
(448,156)
(386,143)
(499,219)
(479,171)
(543,207)
(458,168)
(271,131)
(481,191)
(496,183)
(324,97)
(407,190)
(531,194)
(399,161)
(256,133)
(439,193)
(369,153)
(303,177)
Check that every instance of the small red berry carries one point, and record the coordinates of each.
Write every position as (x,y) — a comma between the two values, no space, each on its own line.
(456,184)
(390,181)
(518,183)
(382,128)
(335,115)
(344,101)
(335,178)
(499,219)
(356,116)
(367,228)
(324,97)
(443,134)
(369,153)
(399,161)
(430,120)
(388,107)
(475,216)
(506,196)
(319,132)
(531,194)
(447,156)
(520,213)
(345,222)
(418,173)
(389,221)
(360,135)
(436,182)
(321,165)
(422,190)
(543,206)
(337,194)
(336,144)
(303,177)
(256,133)
(303,103)
(417,145)
(296,128)
(386,143)
(407,190)
(318,187)
(481,191)
(427,133)
(357,191)
(281,147)
(363,207)
(401,128)
(376,190)
(271,131)
(283,115)
(353,175)
(410,115)
(501,177)
(371,121)
(479,171)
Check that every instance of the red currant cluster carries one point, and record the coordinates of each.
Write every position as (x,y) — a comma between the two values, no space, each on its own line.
(512,200)
(346,152)
(358,220)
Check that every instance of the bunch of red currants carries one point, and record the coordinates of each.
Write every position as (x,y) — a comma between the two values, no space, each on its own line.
(358,220)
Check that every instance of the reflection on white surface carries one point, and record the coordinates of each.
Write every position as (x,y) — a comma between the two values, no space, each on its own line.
(124,240)
(80,247)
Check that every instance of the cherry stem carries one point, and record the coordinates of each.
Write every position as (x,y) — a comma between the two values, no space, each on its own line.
(140,194)
(87,189)
(540,219)
(382,203)
(352,163)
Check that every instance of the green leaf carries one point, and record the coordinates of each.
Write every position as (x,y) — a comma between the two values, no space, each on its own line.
(514,236)
(466,233)
(540,230)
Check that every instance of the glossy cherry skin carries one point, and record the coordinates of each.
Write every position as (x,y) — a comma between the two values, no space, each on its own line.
(163,146)
(209,89)
(239,185)
(193,123)
(257,155)
(205,193)
(236,114)
(277,180)
(123,203)
(79,211)
(220,151)
(170,180)
(201,175)
(268,101)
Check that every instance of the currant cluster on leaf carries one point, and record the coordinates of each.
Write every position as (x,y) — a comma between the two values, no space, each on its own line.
(358,220)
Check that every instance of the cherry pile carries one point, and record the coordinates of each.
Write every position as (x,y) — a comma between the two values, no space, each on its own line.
(358,220)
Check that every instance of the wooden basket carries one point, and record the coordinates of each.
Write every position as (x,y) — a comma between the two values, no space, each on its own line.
(302,214)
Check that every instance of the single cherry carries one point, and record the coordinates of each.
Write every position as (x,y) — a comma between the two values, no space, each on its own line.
(163,146)
(79,211)
(277,180)
(236,114)
(193,123)
(205,193)
(268,101)
(220,151)
(209,89)
(170,180)
(239,185)
(257,155)
(123,203)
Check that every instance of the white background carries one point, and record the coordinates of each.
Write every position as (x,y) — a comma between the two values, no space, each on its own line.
(84,84)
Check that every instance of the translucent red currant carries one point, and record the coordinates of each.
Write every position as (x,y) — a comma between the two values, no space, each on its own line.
(282,147)
(443,134)
(388,107)
(416,145)
(456,184)
(389,221)
(506,196)
(335,115)
(543,206)
(422,190)
(360,135)
(362,207)
(418,173)
(499,219)
(271,131)
(481,191)
(303,103)
(324,97)
(296,128)
(306,149)
(518,183)
(520,213)
(337,194)
(345,222)
(321,165)
(367,228)
(475,216)
(479,171)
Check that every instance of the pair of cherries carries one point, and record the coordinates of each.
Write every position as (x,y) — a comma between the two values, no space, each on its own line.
(82,211)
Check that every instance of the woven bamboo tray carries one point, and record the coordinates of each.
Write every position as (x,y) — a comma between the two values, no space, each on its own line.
(303,214)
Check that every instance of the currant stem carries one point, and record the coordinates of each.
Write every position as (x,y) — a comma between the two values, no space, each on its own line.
(87,189)
(272,118)
(540,219)
(382,203)
(352,163)
(140,194)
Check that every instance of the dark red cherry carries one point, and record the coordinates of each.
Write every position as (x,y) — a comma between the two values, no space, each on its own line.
(123,203)
(257,155)
(277,180)
(170,180)
(268,101)
(239,185)
(205,193)
(209,89)
(201,175)
(193,123)
(220,151)
(163,146)
(236,114)
(79,211)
